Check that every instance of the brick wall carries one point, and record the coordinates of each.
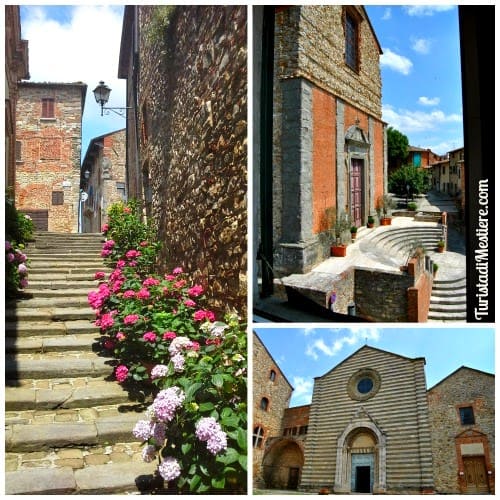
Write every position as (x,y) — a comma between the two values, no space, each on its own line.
(278,392)
(464,387)
(193,111)
(50,152)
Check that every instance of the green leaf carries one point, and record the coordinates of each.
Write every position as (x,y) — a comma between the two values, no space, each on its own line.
(218,380)
(229,457)
(242,459)
(194,482)
(186,448)
(191,390)
(242,439)
(208,406)
(218,483)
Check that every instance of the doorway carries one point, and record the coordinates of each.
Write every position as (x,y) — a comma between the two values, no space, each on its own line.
(293,478)
(362,468)
(357,191)
(476,479)
(362,479)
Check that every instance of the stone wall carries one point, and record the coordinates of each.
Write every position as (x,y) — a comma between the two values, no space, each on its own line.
(464,387)
(50,152)
(193,112)
(278,393)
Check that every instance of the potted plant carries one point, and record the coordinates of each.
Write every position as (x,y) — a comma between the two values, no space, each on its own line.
(435,267)
(440,246)
(370,221)
(354,231)
(385,205)
(342,225)
(412,206)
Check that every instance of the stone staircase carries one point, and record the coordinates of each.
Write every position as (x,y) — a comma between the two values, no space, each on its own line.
(68,424)
(448,300)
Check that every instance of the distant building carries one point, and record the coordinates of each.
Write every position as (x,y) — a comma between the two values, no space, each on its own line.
(16,69)
(102,179)
(457,175)
(373,427)
(186,72)
(49,132)
(420,158)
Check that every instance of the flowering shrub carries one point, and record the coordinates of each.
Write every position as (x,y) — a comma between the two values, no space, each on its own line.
(161,334)
(19,229)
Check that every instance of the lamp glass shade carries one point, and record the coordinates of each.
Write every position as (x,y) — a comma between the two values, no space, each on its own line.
(101,93)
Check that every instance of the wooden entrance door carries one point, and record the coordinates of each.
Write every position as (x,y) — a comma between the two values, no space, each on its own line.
(293,478)
(476,478)
(356,191)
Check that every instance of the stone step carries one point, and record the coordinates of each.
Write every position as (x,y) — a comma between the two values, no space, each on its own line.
(449,299)
(56,365)
(452,286)
(447,308)
(25,345)
(47,329)
(64,300)
(36,437)
(48,293)
(33,314)
(65,394)
(60,284)
(110,478)
(61,256)
(445,316)
(449,292)
(35,276)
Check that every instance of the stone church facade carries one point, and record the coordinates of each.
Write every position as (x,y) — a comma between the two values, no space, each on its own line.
(329,141)
(373,427)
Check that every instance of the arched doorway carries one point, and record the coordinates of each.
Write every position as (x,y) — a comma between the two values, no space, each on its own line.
(361,453)
(282,465)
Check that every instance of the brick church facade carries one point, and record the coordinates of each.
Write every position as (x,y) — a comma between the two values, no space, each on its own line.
(373,427)
(48,146)
(329,152)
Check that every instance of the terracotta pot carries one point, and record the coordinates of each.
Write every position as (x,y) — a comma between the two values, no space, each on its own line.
(338,250)
(369,225)
(353,235)
(385,221)
(440,249)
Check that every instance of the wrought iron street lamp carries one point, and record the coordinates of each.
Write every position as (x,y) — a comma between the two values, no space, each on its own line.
(101,94)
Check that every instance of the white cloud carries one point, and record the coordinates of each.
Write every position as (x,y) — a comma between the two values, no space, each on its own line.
(421,45)
(426,10)
(407,121)
(387,14)
(331,347)
(85,47)
(303,389)
(394,61)
(428,101)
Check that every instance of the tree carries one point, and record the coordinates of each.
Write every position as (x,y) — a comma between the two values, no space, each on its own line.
(408,180)
(397,148)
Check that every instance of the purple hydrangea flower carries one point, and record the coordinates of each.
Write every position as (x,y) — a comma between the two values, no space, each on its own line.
(166,403)
(169,469)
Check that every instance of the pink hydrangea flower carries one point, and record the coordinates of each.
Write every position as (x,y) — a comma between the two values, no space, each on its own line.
(131,319)
(109,344)
(151,282)
(189,303)
(104,228)
(143,244)
(177,270)
(166,403)
(195,291)
(120,336)
(106,321)
(132,254)
(129,294)
(201,315)
(22,269)
(99,275)
(170,277)
(8,246)
(207,429)
(149,336)
(169,335)
(159,371)
(143,293)
(121,373)
(105,252)
(120,264)
(109,244)
(23,283)
(169,469)
(127,210)
(11,257)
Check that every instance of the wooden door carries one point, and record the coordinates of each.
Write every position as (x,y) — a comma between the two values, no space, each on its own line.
(293,478)
(356,191)
(476,477)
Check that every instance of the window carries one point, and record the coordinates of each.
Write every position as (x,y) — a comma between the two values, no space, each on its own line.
(365,385)
(272,375)
(264,404)
(48,107)
(258,436)
(351,41)
(57,197)
(302,430)
(467,415)
(120,187)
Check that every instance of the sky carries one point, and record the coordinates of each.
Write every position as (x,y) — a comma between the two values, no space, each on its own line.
(78,43)
(420,66)
(305,353)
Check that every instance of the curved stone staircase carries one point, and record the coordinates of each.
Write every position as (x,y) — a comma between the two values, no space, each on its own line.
(68,423)
(448,300)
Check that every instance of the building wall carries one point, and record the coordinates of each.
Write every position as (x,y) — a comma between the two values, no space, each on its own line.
(50,152)
(465,387)
(193,137)
(105,160)
(319,102)
(278,393)
(398,412)
(16,68)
